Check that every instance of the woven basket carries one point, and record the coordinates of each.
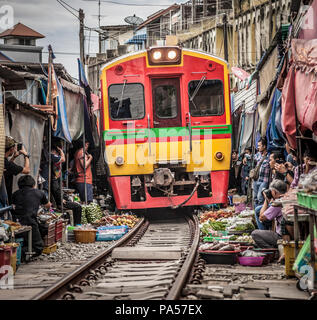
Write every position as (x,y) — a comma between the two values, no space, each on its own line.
(85,236)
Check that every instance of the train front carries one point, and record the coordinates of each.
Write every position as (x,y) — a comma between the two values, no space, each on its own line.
(167,128)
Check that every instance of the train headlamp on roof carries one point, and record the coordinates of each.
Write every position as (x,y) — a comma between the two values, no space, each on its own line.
(164,56)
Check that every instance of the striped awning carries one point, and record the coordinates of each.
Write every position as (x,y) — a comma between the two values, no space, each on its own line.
(137,39)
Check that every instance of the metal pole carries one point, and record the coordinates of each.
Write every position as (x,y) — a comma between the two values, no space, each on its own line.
(61,180)
(50,124)
(67,164)
(84,153)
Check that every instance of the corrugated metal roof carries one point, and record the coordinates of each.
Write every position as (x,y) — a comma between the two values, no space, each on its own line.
(247,97)
(21,30)
(12,80)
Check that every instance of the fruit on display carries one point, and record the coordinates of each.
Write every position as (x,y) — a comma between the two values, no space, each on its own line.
(119,220)
(215,215)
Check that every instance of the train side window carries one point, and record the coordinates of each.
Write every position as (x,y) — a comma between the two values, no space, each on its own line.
(207,98)
(126,101)
(165,101)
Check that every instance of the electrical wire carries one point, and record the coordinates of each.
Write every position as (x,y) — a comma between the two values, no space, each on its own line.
(58,1)
(69,6)
(133,4)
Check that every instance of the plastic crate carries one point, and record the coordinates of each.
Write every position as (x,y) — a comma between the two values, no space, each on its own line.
(5,256)
(50,249)
(212,239)
(123,229)
(49,240)
(109,236)
(59,235)
(289,252)
(304,199)
(19,250)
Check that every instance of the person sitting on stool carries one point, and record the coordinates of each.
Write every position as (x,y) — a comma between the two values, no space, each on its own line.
(26,202)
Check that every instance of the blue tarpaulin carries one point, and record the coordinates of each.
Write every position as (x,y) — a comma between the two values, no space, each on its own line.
(137,39)
(62,130)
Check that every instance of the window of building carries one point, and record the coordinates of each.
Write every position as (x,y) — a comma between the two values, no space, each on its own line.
(126,101)
(207,100)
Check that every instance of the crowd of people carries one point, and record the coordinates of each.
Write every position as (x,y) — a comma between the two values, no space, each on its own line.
(30,196)
(271,177)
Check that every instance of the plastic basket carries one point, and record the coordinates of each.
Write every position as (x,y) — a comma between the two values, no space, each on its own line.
(251,261)
(219,257)
(108,236)
(289,252)
(85,236)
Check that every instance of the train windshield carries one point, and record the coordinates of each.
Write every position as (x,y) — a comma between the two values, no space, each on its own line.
(207,100)
(126,101)
(166,101)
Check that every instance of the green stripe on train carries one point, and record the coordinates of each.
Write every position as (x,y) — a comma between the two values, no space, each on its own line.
(114,134)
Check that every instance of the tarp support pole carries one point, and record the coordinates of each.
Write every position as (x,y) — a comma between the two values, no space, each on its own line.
(49,123)
(84,154)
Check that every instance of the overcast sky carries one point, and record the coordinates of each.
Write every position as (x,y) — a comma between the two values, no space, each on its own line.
(60,27)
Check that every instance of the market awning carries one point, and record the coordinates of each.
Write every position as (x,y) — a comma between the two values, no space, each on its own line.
(137,39)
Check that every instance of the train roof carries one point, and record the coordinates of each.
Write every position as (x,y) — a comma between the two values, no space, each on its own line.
(143,51)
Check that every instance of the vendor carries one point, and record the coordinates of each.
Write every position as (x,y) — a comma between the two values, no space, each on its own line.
(26,202)
(268,238)
(12,169)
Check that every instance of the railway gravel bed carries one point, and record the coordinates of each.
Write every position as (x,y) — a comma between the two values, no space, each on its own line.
(152,264)
(50,268)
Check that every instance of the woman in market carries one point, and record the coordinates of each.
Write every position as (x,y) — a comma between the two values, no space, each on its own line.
(26,202)
(270,212)
(80,173)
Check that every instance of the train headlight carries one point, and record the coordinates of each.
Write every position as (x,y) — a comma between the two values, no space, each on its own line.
(157,55)
(119,161)
(219,156)
(171,54)
(164,56)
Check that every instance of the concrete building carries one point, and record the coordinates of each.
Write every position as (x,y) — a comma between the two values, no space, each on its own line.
(20,44)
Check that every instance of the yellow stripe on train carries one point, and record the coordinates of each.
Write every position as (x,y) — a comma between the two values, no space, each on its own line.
(137,159)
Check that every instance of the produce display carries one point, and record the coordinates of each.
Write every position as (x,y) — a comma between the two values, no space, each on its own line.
(218,246)
(91,213)
(215,215)
(118,220)
(244,238)
(308,182)
(210,226)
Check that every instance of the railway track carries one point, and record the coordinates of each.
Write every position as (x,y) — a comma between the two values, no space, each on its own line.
(151,262)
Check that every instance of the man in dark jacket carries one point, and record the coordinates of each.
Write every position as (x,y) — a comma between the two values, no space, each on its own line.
(26,202)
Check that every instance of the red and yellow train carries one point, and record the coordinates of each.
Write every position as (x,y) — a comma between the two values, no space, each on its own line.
(166,124)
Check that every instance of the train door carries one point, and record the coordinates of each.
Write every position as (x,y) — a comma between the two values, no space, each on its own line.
(166,103)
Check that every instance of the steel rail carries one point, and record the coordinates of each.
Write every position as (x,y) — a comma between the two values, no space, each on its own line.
(183,274)
(61,287)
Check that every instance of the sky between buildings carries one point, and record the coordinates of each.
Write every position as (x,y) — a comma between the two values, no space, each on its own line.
(61,28)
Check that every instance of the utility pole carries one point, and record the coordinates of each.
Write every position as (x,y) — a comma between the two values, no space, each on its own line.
(99,27)
(225,36)
(81,35)
(50,102)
